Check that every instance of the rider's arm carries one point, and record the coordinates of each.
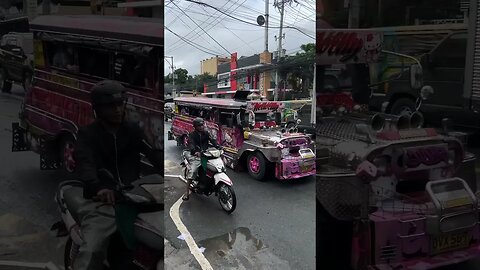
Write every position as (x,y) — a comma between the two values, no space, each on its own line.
(86,165)
(192,144)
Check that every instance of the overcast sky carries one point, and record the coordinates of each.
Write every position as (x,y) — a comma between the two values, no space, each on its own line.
(233,35)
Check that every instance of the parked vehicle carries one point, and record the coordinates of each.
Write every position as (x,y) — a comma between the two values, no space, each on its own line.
(251,134)
(212,178)
(145,195)
(447,53)
(73,53)
(390,193)
(16,60)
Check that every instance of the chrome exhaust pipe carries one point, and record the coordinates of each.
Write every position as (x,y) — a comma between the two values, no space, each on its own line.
(416,120)
(375,120)
(398,121)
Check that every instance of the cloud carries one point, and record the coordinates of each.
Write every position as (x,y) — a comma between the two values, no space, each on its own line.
(233,35)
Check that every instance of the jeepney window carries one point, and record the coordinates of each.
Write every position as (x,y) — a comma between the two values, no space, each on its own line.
(60,56)
(451,53)
(227,118)
(93,62)
(135,70)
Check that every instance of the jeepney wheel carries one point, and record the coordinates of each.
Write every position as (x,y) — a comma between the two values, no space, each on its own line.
(257,166)
(67,147)
(5,86)
(27,81)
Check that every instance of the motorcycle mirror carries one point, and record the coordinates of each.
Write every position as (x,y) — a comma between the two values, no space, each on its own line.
(416,76)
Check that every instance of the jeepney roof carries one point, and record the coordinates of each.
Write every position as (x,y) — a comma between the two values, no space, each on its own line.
(215,102)
(132,29)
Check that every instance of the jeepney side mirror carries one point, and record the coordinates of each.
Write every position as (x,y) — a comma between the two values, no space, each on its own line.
(416,77)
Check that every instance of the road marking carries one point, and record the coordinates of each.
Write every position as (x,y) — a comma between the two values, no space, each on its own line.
(49,265)
(194,249)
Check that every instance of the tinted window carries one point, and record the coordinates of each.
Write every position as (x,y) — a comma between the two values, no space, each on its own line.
(451,52)
(93,62)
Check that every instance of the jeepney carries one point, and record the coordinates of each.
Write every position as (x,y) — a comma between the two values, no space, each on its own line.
(251,134)
(391,194)
(92,49)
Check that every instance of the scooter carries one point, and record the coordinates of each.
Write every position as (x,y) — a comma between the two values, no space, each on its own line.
(146,194)
(212,178)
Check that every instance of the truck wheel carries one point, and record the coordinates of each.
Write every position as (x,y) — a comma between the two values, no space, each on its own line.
(257,166)
(403,106)
(5,86)
(27,81)
(67,145)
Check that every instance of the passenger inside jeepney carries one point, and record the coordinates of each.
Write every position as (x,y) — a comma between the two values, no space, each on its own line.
(64,58)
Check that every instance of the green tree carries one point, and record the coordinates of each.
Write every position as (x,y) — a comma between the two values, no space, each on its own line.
(181,76)
(297,69)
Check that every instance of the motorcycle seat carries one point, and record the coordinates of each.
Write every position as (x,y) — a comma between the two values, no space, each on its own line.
(73,198)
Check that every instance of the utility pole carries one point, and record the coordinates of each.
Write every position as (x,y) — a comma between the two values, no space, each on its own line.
(281,5)
(173,76)
(353,13)
(266,25)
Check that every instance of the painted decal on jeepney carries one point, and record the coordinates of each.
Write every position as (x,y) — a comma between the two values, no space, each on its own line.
(428,156)
(264,107)
(347,46)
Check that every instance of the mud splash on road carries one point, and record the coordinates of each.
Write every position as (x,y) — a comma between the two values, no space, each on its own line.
(239,249)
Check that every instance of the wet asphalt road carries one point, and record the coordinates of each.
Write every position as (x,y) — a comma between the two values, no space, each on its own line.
(27,208)
(271,228)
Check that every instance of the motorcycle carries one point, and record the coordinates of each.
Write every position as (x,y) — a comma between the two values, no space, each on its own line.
(212,178)
(146,194)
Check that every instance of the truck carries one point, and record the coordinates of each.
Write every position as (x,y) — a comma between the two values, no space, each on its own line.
(449,54)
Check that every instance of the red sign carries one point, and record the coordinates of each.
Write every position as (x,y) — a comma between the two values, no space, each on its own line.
(233,77)
(348,46)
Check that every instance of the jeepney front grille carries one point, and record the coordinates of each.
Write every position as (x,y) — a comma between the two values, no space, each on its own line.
(387,253)
(340,129)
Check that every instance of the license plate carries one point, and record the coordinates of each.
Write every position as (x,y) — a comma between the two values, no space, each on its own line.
(450,242)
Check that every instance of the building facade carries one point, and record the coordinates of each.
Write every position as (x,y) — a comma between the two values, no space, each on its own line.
(210,66)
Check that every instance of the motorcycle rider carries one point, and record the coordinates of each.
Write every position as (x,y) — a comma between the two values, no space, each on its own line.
(114,144)
(198,141)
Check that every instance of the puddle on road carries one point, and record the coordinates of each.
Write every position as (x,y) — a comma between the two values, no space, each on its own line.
(239,249)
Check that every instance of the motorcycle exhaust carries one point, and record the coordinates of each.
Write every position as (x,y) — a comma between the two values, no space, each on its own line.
(416,120)
(373,119)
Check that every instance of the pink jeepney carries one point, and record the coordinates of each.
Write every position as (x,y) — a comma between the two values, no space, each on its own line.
(92,48)
(250,134)
(391,194)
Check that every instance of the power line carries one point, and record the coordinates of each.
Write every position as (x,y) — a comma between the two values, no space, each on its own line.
(197,46)
(247,22)
(201,28)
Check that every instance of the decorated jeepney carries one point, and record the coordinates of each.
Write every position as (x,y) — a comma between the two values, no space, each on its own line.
(391,194)
(94,48)
(251,134)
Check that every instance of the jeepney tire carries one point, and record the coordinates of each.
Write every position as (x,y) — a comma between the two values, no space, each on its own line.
(401,104)
(66,141)
(5,86)
(261,172)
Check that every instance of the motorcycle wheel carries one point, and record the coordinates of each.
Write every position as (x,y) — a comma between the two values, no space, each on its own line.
(227,198)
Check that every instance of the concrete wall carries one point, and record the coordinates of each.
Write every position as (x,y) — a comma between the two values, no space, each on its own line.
(210,66)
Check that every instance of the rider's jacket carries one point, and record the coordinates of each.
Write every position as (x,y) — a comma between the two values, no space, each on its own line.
(97,148)
(198,141)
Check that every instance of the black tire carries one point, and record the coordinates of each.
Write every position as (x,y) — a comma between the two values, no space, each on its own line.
(232,194)
(27,80)
(66,254)
(67,143)
(5,86)
(400,106)
(257,166)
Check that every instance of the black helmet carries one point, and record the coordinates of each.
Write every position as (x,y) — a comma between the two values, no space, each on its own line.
(107,92)
(198,122)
